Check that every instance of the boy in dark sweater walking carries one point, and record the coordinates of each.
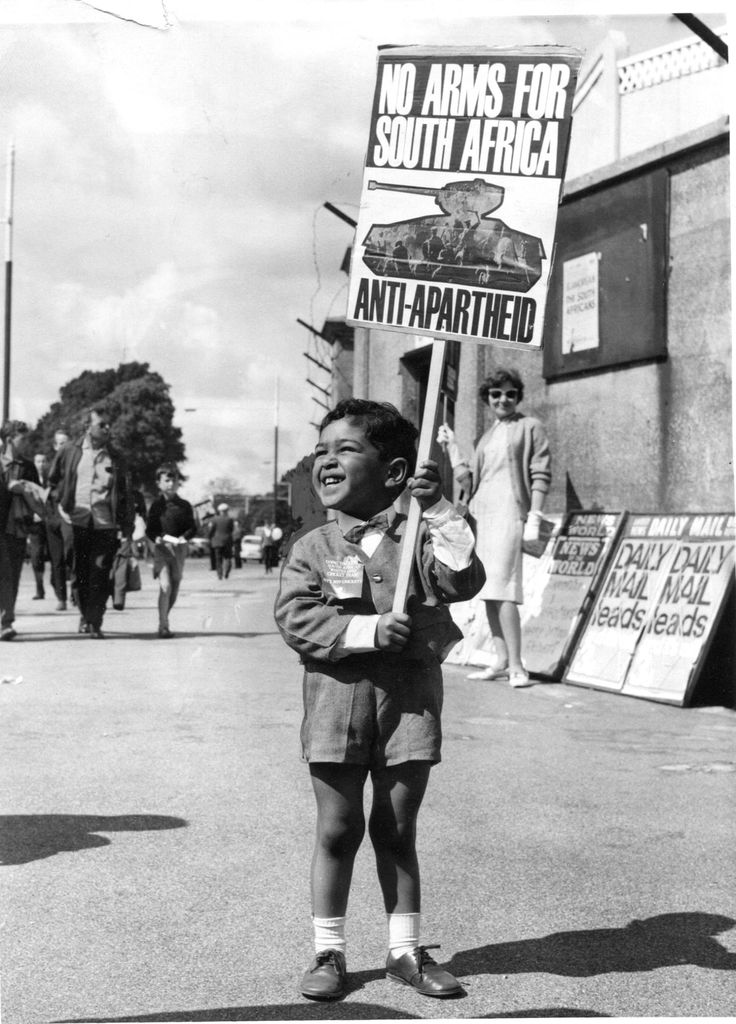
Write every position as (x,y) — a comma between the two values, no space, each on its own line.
(169,525)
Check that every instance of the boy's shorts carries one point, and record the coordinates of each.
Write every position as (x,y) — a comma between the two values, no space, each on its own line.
(168,556)
(376,713)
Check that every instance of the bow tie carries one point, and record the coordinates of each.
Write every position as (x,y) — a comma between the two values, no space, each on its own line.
(379,522)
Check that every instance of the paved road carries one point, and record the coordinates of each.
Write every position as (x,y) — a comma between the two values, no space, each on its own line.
(577,847)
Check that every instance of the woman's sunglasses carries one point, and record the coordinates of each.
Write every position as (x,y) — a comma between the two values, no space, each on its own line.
(512,394)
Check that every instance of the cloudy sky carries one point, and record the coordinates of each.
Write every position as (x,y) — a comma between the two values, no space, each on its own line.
(171,170)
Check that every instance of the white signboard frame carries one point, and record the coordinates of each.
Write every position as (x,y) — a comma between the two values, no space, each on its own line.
(462,183)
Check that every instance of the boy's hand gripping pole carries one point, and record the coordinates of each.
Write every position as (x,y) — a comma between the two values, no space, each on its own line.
(426,435)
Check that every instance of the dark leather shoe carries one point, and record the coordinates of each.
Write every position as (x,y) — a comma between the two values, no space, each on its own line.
(83,626)
(96,634)
(419,970)
(325,979)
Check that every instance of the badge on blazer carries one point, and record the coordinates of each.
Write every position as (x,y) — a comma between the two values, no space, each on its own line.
(343,577)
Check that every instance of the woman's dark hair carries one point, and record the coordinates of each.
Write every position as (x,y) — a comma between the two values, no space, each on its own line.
(385,427)
(497,378)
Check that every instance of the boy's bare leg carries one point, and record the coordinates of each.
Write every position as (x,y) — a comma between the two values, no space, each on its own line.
(164,597)
(175,575)
(338,789)
(398,792)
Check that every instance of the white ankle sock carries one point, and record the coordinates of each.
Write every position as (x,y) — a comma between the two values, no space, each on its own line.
(329,933)
(403,932)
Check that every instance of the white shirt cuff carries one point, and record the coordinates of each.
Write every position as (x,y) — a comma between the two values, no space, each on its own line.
(360,635)
(452,539)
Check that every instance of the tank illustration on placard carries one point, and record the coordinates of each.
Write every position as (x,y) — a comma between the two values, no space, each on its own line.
(463,245)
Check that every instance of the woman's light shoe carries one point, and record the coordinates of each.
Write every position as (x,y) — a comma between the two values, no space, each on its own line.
(519,678)
(489,673)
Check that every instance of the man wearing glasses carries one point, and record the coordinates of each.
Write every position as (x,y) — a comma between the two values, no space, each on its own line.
(94,494)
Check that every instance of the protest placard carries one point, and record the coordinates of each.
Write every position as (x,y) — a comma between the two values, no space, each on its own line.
(554,610)
(462,181)
(658,606)
(457,133)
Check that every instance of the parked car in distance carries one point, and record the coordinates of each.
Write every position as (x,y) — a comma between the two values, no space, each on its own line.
(199,547)
(250,548)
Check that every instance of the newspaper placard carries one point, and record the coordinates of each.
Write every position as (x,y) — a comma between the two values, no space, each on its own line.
(462,181)
(552,615)
(657,606)
(682,622)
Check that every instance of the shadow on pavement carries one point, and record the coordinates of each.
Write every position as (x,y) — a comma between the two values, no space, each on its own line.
(279,1011)
(665,940)
(547,1011)
(305,1010)
(24,638)
(199,634)
(28,837)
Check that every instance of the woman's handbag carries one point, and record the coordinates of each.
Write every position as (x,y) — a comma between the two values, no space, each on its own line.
(537,547)
(132,575)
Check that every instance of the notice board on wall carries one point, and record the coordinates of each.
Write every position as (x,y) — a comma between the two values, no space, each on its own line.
(554,611)
(658,606)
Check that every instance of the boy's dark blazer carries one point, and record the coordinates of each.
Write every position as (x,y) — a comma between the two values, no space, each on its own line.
(312,619)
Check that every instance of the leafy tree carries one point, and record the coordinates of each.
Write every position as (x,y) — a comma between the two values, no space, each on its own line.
(141,411)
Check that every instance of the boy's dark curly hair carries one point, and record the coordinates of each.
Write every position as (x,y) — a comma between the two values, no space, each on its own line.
(385,427)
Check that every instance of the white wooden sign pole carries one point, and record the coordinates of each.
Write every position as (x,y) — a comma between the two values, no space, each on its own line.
(426,435)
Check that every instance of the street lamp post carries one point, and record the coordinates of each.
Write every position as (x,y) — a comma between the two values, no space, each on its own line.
(276,451)
(8,276)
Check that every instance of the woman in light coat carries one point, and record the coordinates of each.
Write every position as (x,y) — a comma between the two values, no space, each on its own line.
(506,482)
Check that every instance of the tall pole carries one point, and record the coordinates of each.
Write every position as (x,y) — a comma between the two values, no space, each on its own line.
(8,276)
(275,451)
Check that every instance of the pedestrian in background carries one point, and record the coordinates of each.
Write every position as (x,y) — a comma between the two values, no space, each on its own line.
(59,538)
(170,524)
(271,545)
(221,540)
(16,518)
(372,676)
(37,539)
(92,487)
(237,538)
(506,483)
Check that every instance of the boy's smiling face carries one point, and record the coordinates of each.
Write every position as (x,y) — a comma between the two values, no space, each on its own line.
(350,474)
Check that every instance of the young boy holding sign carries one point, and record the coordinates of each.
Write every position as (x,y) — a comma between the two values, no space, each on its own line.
(372,677)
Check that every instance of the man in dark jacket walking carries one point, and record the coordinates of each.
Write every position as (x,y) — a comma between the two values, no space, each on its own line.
(93,490)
